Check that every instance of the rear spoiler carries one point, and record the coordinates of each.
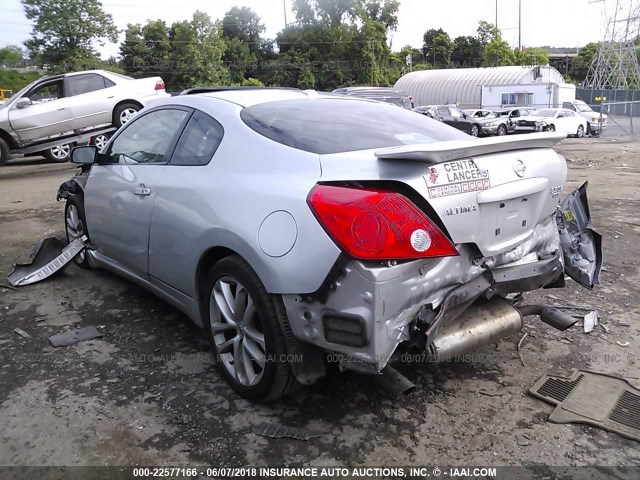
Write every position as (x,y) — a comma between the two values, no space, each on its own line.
(439,152)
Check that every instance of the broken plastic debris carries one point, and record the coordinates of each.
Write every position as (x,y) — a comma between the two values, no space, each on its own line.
(74,336)
(50,256)
(590,321)
(623,344)
(523,440)
(273,430)
(22,333)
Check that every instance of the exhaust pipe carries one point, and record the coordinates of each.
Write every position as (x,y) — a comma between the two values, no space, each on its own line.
(394,382)
(479,325)
(549,315)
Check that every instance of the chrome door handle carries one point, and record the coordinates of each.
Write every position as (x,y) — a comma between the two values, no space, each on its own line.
(142,191)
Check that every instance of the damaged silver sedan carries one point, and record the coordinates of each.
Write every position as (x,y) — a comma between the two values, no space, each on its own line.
(292,226)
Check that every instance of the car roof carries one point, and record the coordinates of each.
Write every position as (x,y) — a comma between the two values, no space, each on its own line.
(246,97)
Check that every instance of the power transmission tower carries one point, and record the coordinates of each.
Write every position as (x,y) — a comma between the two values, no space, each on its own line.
(615,66)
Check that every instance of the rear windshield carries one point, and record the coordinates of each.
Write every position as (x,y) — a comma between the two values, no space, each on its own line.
(331,125)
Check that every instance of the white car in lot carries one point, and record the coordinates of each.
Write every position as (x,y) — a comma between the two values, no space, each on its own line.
(553,120)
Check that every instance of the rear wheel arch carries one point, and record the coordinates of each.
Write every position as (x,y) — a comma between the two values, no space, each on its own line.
(208,259)
(6,144)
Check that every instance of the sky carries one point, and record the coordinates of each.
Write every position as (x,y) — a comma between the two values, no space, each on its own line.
(557,23)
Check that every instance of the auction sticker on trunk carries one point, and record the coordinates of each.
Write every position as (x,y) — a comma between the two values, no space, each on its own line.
(453,178)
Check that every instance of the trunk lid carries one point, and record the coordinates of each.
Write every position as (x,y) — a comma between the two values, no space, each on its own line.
(490,192)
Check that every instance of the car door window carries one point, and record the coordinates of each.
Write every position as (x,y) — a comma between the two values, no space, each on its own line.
(443,112)
(148,139)
(47,92)
(199,141)
(455,113)
(90,82)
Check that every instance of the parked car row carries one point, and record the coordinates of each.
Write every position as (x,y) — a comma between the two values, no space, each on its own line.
(574,119)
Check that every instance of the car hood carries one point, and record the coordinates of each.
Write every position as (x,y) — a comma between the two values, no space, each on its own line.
(484,121)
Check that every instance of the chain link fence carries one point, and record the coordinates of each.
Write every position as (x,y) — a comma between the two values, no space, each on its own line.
(621,106)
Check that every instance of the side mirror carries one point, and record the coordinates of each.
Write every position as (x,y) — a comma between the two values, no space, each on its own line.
(23,102)
(85,155)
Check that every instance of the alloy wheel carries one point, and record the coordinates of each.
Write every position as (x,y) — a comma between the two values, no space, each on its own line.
(127,114)
(237,332)
(60,152)
(100,141)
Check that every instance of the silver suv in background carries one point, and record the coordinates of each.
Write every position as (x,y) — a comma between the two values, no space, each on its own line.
(382,94)
(54,113)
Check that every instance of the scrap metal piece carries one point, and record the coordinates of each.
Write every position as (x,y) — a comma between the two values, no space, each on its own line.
(597,399)
(74,336)
(22,333)
(49,257)
(274,430)
(581,245)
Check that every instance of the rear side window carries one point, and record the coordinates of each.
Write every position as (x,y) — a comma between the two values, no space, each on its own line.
(199,141)
(79,84)
(333,125)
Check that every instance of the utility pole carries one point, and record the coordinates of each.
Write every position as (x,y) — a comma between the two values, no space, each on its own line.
(496,13)
(520,25)
(284,5)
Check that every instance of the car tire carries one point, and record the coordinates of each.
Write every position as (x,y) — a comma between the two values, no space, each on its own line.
(60,153)
(75,225)
(250,348)
(123,113)
(475,130)
(99,141)
(580,132)
(4,152)
(502,130)
(551,128)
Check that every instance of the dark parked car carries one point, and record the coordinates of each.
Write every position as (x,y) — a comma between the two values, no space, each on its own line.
(452,116)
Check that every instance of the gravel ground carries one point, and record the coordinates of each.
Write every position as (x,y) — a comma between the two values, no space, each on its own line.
(148,393)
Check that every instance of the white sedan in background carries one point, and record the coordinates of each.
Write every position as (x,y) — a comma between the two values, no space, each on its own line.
(553,120)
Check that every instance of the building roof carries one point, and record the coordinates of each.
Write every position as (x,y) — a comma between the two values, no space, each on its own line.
(462,85)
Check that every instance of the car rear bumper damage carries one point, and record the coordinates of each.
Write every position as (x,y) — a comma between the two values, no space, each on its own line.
(371,309)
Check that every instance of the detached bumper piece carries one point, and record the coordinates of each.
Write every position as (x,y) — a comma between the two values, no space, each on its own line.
(50,256)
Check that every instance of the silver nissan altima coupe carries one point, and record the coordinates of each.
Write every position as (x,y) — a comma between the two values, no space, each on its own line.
(299,229)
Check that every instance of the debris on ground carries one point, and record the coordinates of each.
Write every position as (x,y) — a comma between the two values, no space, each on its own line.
(22,333)
(522,439)
(596,399)
(623,344)
(74,336)
(49,257)
(273,430)
(519,351)
(590,321)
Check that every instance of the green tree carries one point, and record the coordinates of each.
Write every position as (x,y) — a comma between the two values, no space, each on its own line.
(133,51)
(437,47)
(383,11)
(466,52)
(582,62)
(241,29)
(197,50)
(12,55)
(497,53)
(486,32)
(530,56)
(65,32)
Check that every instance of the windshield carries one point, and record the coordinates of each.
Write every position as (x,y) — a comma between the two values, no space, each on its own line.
(582,107)
(332,125)
(547,112)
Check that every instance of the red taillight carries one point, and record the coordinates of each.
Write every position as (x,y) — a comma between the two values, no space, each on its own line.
(377,224)
(159,85)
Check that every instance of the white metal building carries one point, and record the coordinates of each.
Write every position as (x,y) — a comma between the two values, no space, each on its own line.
(493,87)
